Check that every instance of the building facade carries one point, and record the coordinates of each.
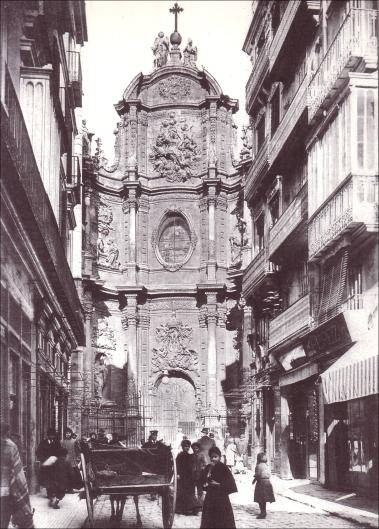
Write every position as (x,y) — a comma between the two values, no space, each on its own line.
(164,244)
(41,314)
(311,188)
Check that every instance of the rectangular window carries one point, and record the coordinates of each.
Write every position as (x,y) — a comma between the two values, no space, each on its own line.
(261,132)
(366,129)
(259,230)
(274,209)
(275,111)
(354,289)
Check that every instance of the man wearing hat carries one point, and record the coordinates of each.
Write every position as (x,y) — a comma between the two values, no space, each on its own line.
(206,443)
(47,448)
(153,442)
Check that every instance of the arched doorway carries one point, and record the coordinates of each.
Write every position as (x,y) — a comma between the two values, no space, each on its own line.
(174,406)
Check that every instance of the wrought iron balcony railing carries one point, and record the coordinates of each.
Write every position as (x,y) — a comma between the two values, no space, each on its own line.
(353,204)
(293,322)
(356,39)
(31,198)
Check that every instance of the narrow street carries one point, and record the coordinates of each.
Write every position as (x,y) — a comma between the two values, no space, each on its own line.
(283,513)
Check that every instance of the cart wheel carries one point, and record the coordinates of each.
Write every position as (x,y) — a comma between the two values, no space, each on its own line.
(168,506)
(88,491)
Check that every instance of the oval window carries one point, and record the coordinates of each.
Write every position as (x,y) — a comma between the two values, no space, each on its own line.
(174,240)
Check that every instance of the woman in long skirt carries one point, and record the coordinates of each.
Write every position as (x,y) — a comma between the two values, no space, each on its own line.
(263,489)
(218,482)
(185,500)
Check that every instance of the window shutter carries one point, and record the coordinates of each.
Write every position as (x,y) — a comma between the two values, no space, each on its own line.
(333,286)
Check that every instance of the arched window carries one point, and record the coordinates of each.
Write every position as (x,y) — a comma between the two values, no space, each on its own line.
(174,239)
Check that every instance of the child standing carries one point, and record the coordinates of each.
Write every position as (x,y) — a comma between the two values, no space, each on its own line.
(263,488)
(199,463)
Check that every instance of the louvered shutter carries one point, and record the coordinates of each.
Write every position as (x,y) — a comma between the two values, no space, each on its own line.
(333,286)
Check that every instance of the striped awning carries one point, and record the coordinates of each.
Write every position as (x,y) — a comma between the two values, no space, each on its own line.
(355,373)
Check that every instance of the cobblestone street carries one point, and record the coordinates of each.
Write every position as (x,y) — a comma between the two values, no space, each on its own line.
(283,513)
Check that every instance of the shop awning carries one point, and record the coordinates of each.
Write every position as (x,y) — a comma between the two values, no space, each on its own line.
(355,373)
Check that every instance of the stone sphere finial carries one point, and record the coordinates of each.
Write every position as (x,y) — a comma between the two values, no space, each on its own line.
(175,38)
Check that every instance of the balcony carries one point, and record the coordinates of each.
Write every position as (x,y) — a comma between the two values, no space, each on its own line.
(295,109)
(257,170)
(75,76)
(292,217)
(258,73)
(282,31)
(355,41)
(30,198)
(353,205)
(293,322)
(256,272)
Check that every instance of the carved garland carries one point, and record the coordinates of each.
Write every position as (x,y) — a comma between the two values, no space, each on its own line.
(173,267)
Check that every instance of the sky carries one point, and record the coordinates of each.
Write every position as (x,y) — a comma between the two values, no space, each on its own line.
(120,37)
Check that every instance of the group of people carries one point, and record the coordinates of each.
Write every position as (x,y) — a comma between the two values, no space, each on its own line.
(59,471)
(207,470)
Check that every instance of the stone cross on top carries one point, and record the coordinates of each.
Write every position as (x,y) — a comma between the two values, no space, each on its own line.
(176,10)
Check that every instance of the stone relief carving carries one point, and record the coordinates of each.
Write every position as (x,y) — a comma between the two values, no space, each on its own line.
(174,339)
(107,250)
(175,155)
(103,336)
(247,142)
(160,49)
(174,88)
(190,54)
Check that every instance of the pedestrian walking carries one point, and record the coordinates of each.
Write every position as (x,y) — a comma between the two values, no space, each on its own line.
(47,448)
(263,489)
(198,464)
(185,498)
(70,444)
(218,482)
(58,479)
(206,443)
(230,454)
(14,494)
(241,453)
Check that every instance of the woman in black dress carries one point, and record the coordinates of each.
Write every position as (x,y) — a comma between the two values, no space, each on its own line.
(218,482)
(185,499)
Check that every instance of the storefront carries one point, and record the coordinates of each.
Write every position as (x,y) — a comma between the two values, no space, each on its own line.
(350,389)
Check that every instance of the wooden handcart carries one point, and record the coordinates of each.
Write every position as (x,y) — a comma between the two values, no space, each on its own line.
(117,471)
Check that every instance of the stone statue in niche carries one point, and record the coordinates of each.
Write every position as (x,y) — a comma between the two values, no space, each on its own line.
(175,155)
(190,54)
(247,142)
(174,351)
(100,374)
(86,139)
(160,49)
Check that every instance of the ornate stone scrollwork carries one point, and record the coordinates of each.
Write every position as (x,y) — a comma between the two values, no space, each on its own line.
(175,155)
(174,88)
(173,351)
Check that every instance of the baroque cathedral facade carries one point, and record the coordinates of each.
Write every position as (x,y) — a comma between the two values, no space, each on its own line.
(164,243)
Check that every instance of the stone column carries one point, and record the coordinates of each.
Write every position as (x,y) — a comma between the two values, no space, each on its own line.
(285,469)
(90,246)
(88,360)
(246,351)
(212,351)
(130,312)
(322,435)
(211,268)
(130,206)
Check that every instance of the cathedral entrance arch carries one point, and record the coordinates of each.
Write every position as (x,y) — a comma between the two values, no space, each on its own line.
(173,407)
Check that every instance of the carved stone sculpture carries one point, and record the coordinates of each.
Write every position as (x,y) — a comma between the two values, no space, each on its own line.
(103,337)
(160,50)
(100,374)
(107,250)
(175,154)
(174,88)
(174,350)
(190,54)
